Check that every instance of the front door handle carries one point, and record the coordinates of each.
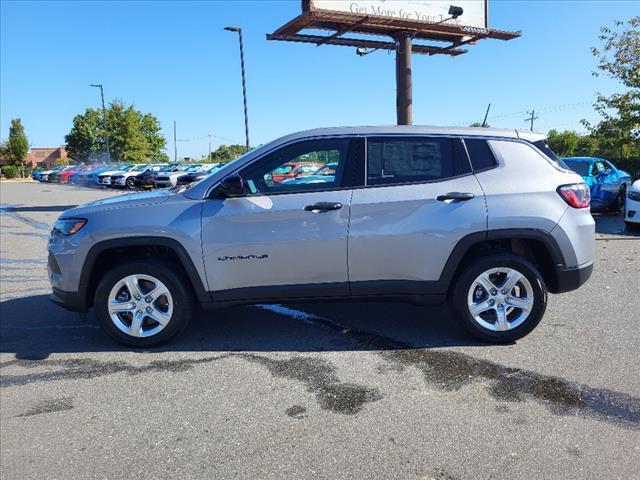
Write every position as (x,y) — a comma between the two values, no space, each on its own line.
(323,207)
(455,196)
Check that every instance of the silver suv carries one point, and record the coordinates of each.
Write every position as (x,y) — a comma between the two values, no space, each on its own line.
(489,219)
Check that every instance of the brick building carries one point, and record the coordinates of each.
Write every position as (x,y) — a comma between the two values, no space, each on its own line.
(45,156)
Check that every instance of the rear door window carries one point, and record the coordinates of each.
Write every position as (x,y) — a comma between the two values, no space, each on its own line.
(412,160)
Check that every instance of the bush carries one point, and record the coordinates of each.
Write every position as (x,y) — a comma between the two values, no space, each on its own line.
(10,171)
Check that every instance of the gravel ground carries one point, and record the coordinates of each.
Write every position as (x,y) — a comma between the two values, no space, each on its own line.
(361,390)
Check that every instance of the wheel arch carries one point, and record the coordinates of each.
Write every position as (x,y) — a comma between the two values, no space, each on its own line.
(537,246)
(102,255)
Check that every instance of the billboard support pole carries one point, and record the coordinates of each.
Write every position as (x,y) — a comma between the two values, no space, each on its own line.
(404,88)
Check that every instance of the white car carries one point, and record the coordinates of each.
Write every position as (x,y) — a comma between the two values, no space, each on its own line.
(126,179)
(104,178)
(170,179)
(632,207)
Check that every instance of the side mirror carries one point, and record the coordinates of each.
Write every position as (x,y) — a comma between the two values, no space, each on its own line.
(231,186)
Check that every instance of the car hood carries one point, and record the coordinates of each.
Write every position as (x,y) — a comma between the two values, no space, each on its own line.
(120,201)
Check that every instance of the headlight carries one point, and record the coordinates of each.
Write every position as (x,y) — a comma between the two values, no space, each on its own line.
(634,194)
(67,226)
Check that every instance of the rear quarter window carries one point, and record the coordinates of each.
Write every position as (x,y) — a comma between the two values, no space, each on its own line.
(517,153)
(480,154)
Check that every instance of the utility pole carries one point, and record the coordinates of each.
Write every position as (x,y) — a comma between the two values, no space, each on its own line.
(175,143)
(531,119)
(104,120)
(238,30)
(209,147)
(404,87)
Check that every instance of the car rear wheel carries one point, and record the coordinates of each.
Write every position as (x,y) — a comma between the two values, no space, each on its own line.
(130,183)
(142,304)
(620,200)
(500,298)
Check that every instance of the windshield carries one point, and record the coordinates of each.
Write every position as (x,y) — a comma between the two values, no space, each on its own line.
(139,168)
(581,168)
(193,168)
(168,168)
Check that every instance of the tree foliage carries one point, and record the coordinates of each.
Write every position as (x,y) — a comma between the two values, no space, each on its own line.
(17,144)
(133,136)
(619,58)
(226,153)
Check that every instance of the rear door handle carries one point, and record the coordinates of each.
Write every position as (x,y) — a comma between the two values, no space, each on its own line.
(323,207)
(455,196)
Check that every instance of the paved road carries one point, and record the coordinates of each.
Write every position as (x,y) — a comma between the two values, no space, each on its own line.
(348,391)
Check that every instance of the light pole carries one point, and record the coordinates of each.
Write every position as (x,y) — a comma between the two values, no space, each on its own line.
(244,84)
(104,119)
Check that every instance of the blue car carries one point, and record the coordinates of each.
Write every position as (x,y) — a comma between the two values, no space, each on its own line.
(607,183)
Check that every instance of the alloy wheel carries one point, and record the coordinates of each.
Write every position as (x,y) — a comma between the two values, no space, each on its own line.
(140,305)
(500,299)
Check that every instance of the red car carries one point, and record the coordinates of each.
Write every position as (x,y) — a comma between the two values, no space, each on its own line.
(293,170)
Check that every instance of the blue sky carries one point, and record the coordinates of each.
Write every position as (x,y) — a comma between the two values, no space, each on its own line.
(174,59)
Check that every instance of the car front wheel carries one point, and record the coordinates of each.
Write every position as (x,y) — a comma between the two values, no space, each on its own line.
(142,304)
(499,298)
(130,183)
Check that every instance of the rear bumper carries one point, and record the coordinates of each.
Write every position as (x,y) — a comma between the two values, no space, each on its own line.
(73,301)
(569,279)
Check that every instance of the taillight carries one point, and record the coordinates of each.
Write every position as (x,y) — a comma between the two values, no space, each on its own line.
(577,194)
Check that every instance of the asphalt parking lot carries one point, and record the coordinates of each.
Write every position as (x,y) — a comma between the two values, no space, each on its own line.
(354,391)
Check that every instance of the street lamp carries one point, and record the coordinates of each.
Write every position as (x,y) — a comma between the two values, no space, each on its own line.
(104,119)
(244,84)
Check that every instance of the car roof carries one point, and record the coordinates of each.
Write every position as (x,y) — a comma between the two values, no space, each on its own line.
(583,159)
(417,130)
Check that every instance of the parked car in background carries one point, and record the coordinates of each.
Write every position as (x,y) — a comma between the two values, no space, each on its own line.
(205,171)
(127,179)
(90,176)
(607,183)
(293,170)
(170,179)
(104,178)
(326,173)
(483,218)
(36,174)
(44,177)
(632,207)
(56,177)
(76,175)
(146,178)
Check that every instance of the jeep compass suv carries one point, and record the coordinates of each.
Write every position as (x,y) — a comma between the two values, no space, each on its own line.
(489,219)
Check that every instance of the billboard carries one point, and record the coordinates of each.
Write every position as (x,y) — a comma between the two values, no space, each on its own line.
(474,14)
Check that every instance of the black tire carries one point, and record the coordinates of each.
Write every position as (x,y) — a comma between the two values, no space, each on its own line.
(619,204)
(462,285)
(182,302)
(130,183)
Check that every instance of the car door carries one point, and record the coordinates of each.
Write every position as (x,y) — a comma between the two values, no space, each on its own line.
(419,199)
(281,239)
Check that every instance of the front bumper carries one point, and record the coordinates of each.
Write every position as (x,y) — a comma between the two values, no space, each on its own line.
(568,279)
(72,301)
(632,211)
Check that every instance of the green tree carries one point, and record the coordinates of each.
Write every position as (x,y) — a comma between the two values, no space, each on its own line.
(134,137)
(563,143)
(618,132)
(479,124)
(17,144)
(226,153)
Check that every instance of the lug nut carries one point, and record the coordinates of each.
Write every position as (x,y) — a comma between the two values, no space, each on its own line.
(492,301)
(148,309)
(504,291)
(139,312)
(148,299)
(138,297)
(494,291)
